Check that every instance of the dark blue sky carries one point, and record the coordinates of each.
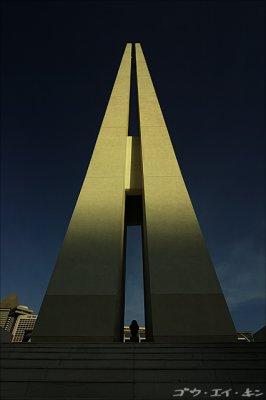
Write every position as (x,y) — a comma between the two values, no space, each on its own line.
(206,60)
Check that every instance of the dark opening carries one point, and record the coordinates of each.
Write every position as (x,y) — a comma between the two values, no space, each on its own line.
(133,125)
(134,285)
(133,211)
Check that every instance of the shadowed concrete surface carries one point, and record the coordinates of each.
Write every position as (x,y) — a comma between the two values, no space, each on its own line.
(130,371)
(260,335)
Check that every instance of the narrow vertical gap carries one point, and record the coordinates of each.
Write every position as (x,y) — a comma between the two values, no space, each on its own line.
(133,262)
(134,287)
(133,125)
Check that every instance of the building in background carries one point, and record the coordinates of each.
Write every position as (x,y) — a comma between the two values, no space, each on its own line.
(14,314)
(4,316)
(23,328)
(6,305)
(16,319)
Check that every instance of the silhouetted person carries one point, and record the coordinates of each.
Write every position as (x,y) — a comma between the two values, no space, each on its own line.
(134,328)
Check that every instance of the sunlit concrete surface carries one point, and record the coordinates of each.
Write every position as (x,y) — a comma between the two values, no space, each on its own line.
(88,277)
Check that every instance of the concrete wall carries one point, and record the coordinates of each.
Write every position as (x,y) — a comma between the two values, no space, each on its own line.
(184,299)
(84,300)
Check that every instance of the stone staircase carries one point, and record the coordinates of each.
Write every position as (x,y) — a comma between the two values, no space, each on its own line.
(132,371)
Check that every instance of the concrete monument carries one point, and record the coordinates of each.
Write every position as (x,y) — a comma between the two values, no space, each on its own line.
(134,180)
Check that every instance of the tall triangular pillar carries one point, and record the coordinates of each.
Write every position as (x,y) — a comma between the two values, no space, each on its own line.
(133,180)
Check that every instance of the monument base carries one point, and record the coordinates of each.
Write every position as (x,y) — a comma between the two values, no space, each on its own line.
(196,339)
(132,371)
